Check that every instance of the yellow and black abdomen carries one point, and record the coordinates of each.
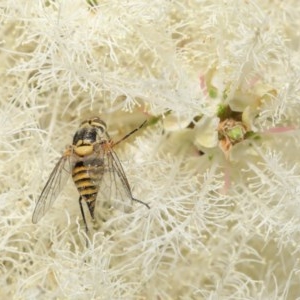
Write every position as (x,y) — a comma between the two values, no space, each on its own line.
(88,167)
(87,174)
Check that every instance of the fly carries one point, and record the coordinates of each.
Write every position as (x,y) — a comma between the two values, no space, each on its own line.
(95,169)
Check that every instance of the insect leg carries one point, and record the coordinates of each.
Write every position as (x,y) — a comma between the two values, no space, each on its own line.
(84,220)
(139,201)
(130,133)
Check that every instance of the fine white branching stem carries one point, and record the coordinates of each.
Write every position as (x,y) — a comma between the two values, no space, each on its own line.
(218,162)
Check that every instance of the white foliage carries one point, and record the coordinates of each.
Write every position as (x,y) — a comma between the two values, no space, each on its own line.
(217,228)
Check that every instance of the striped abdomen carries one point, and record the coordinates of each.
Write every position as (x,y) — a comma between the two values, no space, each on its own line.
(87,174)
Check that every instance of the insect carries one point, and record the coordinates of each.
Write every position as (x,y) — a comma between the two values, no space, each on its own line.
(95,169)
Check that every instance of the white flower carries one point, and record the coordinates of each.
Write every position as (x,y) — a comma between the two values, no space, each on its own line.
(218,82)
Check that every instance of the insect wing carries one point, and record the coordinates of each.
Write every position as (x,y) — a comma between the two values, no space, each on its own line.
(114,185)
(53,187)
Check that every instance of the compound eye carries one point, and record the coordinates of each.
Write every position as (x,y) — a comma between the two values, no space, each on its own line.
(98,123)
(102,128)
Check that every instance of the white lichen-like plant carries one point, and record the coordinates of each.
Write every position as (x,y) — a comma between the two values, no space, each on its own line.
(218,160)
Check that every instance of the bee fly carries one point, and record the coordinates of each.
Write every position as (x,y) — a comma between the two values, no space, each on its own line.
(96,171)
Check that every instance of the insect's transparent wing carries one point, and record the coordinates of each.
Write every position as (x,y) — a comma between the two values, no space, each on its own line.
(53,187)
(114,186)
